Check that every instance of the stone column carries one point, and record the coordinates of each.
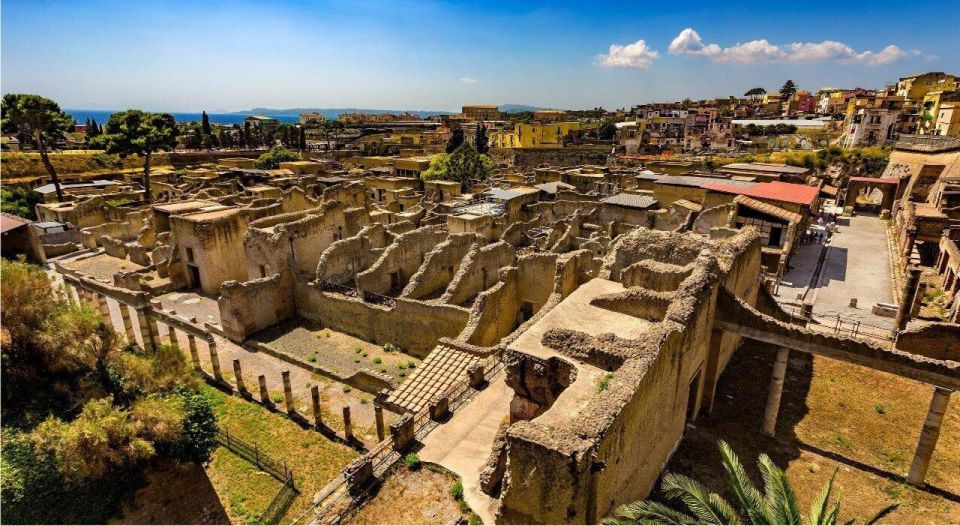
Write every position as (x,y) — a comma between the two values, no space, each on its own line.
(214,360)
(172,336)
(315,398)
(127,323)
(347,425)
(154,326)
(104,309)
(144,324)
(776,389)
(378,414)
(264,393)
(288,392)
(929,435)
(907,297)
(194,355)
(68,288)
(238,373)
(711,374)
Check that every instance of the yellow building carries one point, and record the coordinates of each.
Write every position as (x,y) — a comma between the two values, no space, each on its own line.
(948,120)
(930,108)
(482,112)
(915,87)
(535,135)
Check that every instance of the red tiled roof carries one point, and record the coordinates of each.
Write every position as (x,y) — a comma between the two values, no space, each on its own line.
(9,222)
(767,208)
(876,180)
(800,194)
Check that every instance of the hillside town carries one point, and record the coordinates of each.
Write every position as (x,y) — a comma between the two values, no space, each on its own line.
(486,316)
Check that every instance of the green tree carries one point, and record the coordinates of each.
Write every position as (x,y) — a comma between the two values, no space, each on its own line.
(788,90)
(41,120)
(755,92)
(276,155)
(19,201)
(607,131)
(776,505)
(302,139)
(199,435)
(205,123)
(141,133)
(456,139)
(246,136)
(464,165)
(480,140)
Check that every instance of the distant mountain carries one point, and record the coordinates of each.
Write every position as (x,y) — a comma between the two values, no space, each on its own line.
(515,108)
(333,113)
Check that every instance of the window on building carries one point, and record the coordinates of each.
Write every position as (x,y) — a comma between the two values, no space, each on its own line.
(189,255)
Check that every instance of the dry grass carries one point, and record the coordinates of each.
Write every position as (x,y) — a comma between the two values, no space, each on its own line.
(833,415)
(244,490)
(412,497)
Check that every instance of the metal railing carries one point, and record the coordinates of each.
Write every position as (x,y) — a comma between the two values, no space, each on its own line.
(839,325)
(353,292)
(253,454)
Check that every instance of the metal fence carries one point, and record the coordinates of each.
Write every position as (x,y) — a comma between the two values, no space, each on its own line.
(253,454)
(840,325)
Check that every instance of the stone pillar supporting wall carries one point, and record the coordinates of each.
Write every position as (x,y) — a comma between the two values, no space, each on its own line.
(439,407)
(104,309)
(475,375)
(378,415)
(154,330)
(68,288)
(711,372)
(929,436)
(347,424)
(315,399)
(403,433)
(358,475)
(127,323)
(194,355)
(776,389)
(264,394)
(214,359)
(143,322)
(238,374)
(288,392)
(172,336)
(907,297)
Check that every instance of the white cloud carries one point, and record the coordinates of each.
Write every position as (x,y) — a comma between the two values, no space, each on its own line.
(636,55)
(468,80)
(688,42)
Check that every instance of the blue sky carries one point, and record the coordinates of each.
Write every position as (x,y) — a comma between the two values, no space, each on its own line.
(398,54)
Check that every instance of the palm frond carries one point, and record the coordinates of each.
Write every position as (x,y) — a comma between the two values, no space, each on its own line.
(647,512)
(705,506)
(780,499)
(818,509)
(882,513)
(750,500)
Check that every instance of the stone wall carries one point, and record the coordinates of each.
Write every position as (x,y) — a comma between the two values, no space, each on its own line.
(250,306)
(440,266)
(400,261)
(478,272)
(342,260)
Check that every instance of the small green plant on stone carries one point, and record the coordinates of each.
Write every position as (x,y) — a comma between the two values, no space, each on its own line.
(312,358)
(412,461)
(346,388)
(365,354)
(358,350)
(363,400)
(411,364)
(277,398)
(880,409)
(457,490)
(604,383)
(377,360)
(402,374)
(401,366)
(383,369)
(474,519)
(356,360)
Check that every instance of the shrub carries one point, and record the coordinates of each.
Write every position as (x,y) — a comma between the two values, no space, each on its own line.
(604,383)
(346,388)
(358,350)
(377,360)
(412,461)
(411,364)
(456,491)
(312,358)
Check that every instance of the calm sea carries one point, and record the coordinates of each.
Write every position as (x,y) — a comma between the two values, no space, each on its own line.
(101,117)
